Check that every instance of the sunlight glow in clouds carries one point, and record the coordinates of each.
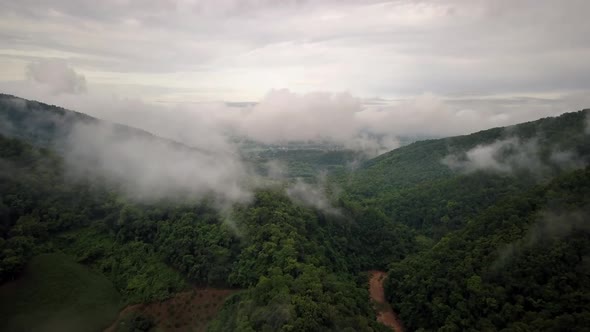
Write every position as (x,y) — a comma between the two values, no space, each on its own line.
(394,67)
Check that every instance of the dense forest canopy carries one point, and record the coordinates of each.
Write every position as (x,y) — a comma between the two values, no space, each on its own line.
(487,231)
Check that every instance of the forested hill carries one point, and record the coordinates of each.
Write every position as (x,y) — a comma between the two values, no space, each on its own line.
(421,162)
(501,224)
(297,268)
(50,126)
(435,186)
(523,264)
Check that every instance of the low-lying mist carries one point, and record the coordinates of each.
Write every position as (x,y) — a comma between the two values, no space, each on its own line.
(511,155)
(550,226)
(369,125)
(149,168)
(206,160)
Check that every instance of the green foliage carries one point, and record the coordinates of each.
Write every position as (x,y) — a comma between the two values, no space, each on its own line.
(438,207)
(39,204)
(454,278)
(36,202)
(420,162)
(371,240)
(57,294)
(479,251)
(520,263)
(294,285)
(304,163)
(200,246)
(134,267)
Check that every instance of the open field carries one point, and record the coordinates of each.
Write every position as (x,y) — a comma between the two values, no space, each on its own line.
(56,294)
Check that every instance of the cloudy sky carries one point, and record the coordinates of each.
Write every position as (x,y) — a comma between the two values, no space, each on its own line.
(383,65)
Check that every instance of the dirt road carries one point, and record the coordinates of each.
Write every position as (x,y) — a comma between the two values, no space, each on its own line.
(385,313)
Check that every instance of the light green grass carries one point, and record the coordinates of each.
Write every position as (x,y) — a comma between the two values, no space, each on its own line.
(57,294)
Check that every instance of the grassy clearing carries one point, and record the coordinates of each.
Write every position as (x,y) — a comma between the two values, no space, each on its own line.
(57,294)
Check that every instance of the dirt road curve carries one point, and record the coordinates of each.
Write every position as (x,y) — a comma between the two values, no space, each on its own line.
(385,313)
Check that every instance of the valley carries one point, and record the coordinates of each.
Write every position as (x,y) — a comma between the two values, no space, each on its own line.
(452,243)
(294,166)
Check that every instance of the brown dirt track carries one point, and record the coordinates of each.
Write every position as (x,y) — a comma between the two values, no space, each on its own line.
(385,313)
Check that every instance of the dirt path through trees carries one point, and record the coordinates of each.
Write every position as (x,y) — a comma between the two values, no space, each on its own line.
(385,313)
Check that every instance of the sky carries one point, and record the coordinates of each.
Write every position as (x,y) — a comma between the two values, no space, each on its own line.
(316,69)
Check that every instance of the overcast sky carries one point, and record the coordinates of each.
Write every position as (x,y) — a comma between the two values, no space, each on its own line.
(495,57)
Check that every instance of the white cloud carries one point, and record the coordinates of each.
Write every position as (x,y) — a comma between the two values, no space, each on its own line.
(511,155)
(148,168)
(550,226)
(285,116)
(241,49)
(372,126)
(312,195)
(56,76)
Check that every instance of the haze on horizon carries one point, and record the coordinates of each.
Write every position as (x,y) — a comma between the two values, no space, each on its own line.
(315,69)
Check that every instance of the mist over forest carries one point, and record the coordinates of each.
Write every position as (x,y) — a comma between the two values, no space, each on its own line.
(190,165)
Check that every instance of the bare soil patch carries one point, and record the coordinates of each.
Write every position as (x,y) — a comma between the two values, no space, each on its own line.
(187,311)
(385,313)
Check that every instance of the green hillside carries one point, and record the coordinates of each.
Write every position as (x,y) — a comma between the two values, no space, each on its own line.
(56,294)
(495,243)
(301,162)
(413,186)
(420,162)
(37,123)
(49,126)
(523,264)
(493,250)
(141,248)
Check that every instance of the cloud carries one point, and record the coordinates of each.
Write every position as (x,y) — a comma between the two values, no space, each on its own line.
(56,76)
(148,168)
(373,144)
(281,116)
(567,160)
(371,126)
(511,155)
(276,170)
(235,49)
(434,115)
(285,116)
(312,195)
(503,156)
(440,68)
(143,166)
(550,226)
